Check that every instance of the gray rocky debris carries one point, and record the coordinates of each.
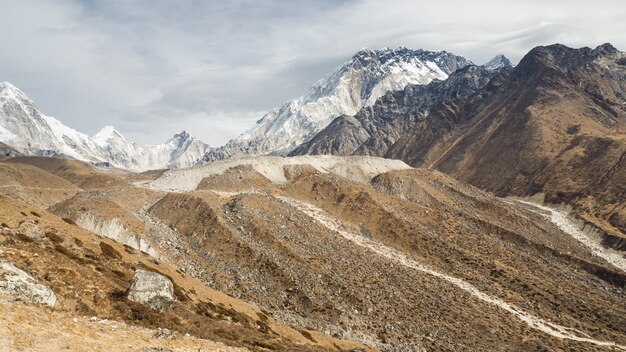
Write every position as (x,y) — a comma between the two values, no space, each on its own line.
(166,334)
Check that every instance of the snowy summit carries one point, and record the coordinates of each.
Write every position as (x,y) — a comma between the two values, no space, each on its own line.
(29,131)
(358,83)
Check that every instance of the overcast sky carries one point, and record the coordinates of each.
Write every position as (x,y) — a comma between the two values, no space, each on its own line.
(153,68)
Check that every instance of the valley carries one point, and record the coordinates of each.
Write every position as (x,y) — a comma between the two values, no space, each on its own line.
(349,247)
(410,201)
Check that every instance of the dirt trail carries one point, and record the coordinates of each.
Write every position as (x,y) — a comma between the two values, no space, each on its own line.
(534,322)
(561,220)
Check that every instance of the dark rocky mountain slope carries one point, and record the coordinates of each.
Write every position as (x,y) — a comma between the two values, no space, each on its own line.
(555,124)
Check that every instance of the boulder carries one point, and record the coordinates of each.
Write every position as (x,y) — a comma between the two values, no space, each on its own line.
(27,229)
(165,334)
(151,289)
(23,287)
(30,229)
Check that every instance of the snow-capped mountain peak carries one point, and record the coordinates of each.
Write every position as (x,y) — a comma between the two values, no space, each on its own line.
(358,83)
(182,137)
(27,130)
(9,91)
(498,62)
(106,134)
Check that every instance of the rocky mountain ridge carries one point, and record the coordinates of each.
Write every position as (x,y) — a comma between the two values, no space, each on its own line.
(375,129)
(358,83)
(555,125)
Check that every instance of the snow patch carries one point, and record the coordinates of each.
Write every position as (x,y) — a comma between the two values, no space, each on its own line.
(563,222)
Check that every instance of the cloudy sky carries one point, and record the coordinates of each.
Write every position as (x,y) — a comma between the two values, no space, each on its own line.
(153,68)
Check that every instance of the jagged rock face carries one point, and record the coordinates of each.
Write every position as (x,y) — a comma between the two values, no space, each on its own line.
(27,130)
(554,124)
(151,289)
(22,287)
(358,83)
(373,130)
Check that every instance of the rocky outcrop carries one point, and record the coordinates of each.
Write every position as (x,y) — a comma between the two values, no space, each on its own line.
(151,289)
(22,287)
(613,241)
(28,229)
(115,230)
(6,150)
(608,239)
(165,334)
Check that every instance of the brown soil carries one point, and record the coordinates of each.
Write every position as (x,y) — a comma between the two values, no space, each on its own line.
(90,276)
(248,242)
(33,329)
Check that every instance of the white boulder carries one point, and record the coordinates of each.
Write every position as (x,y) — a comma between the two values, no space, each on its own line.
(23,287)
(151,289)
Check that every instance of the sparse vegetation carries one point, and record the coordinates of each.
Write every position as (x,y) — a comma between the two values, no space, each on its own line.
(109,251)
(54,237)
(265,249)
(307,335)
(69,221)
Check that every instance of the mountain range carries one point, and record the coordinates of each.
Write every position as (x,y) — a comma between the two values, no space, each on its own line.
(29,131)
(554,125)
(358,83)
(559,115)
(411,201)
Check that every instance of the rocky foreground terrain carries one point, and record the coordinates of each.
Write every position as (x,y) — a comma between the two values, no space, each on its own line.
(296,254)
(74,275)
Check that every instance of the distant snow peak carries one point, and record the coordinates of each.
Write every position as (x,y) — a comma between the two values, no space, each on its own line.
(358,83)
(499,62)
(106,134)
(27,130)
(182,137)
(8,89)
